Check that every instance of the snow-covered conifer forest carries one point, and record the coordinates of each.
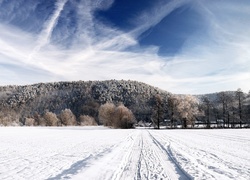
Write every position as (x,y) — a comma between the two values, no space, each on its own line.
(130,102)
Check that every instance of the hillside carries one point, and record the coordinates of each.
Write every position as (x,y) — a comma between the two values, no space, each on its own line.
(17,103)
(82,98)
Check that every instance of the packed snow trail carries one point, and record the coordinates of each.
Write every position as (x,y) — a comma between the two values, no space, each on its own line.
(139,157)
(103,153)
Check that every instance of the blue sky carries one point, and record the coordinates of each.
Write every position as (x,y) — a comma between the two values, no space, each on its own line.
(182,46)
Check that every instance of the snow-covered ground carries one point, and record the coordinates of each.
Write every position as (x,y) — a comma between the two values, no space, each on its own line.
(102,153)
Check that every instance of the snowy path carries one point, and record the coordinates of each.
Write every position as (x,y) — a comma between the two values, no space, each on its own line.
(101,153)
(139,157)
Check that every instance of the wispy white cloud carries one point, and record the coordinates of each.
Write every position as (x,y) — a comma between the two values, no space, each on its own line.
(44,36)
(217,61)
(223,55)
(102,4)
(153,16)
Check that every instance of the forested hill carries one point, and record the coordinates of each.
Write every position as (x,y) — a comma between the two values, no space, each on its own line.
(82,98)
(21,104)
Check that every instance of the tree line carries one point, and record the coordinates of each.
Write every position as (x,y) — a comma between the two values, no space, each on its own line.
(46,104)
(221,110)
(83,98)
(109,114)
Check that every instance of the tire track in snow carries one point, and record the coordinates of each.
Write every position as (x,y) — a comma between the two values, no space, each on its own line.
(74,168)
(125,165)
(149,163)
(200,163)
(174,170)
(182,158)
(115,164)
(89,162)
(140,164)
(141,156)
(146,160)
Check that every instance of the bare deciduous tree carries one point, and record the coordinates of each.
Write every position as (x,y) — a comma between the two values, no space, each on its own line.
(158,111)
(207,105)
(67,118)
(240,97)
(9,118)
(226,101)
(172,103)
(29,122)
(123,117)
(117,117)
(86,120)
(187,109)
(51,119)
(106,113)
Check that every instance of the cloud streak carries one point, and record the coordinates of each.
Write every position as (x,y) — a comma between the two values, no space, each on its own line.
(45,35)
(152,17)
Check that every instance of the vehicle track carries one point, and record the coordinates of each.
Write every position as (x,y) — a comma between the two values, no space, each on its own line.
(114,165)
(200,163)
(170,161)
(140,157)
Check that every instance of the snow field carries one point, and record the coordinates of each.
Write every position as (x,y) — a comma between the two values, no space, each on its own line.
(42,153)
(102,153)
(210,154)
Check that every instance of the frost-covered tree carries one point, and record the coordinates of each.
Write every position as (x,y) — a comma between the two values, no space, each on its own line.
(67,118)
(187,108)
(207,106)
(123,118)
(106,114)
(247,109)
(226,101)
(172,103)
(158,111)
(117,117)
(51,119)
(29,122)
(86,120)
(39,119)
(9,118)
(240,97)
